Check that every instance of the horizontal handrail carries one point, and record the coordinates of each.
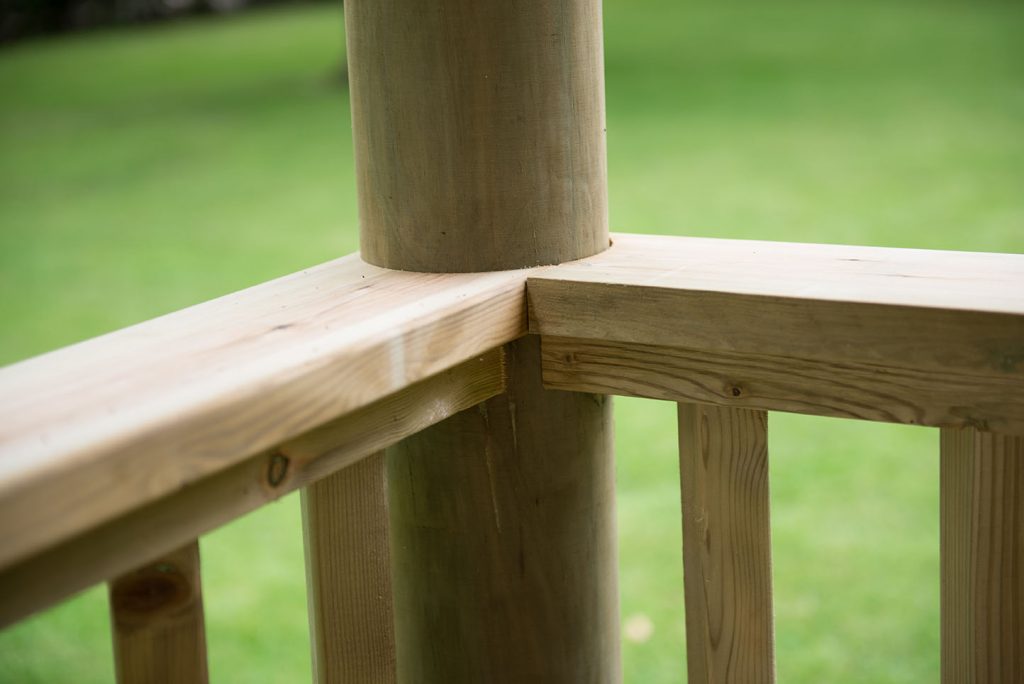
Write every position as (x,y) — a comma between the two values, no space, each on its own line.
(103,427)
(185,422)
(911,336)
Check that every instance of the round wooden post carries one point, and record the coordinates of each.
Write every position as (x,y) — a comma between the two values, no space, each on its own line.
(479,132)
(480,145)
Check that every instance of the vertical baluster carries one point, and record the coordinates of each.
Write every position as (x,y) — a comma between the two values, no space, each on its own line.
(723,463)
(345,522)
(982,546)
(157,619)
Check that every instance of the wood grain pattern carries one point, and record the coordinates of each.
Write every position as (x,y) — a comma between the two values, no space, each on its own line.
(723,465)
(479,132)
(503,539)
(783,383)
(144,533)
(156,612)
(348,569)
(959,314)
(883,276)
(102,427)
(982,523)
(479,139)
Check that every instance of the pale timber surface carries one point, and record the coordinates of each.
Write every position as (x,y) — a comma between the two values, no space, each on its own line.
(102,427)
(913,336)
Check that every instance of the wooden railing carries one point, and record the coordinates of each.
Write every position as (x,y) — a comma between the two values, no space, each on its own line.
(118,452)
(731,329)
(450,429)
(121,447)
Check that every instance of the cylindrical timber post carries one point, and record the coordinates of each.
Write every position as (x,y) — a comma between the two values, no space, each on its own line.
(480,145)
(479,132)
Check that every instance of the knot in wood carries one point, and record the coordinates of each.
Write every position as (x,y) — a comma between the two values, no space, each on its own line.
(277,469)
(149,593)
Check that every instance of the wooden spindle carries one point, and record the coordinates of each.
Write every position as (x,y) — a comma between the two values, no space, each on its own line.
(157,619)
(345,521)
(723,464)
(982,547)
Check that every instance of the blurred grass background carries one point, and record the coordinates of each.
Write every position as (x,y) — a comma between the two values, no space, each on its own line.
(146,169)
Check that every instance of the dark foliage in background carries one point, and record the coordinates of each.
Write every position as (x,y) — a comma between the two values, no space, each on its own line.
(22,18)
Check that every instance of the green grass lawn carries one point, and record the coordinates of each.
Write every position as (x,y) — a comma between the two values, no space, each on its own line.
(148,169)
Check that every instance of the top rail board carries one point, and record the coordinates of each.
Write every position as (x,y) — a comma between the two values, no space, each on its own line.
(105,426)
(914,336)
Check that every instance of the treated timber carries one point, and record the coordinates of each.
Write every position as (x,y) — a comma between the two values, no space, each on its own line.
(100,428)
(478,130)
(912,336)
(781,383)
(982,548)
(502,538)
(156,612)
(727,567)
(351,625)
(141,535)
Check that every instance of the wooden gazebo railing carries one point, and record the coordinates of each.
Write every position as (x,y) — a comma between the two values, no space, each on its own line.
(442,400)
